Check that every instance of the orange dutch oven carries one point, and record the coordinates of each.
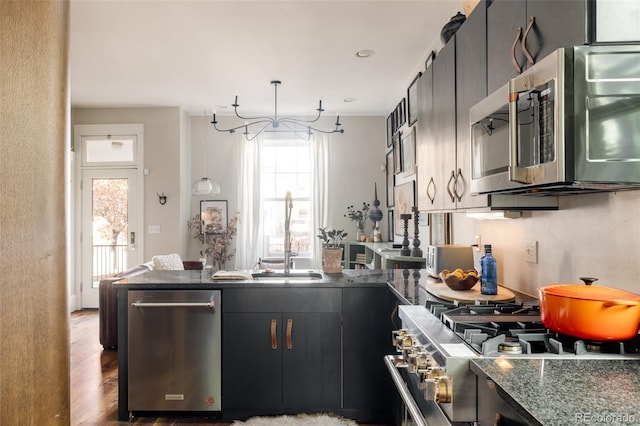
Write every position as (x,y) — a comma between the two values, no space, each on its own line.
(590,312)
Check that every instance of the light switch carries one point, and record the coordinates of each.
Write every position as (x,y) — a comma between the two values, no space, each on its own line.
(154,229)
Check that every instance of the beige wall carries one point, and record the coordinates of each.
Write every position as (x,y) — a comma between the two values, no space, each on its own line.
(34,322)
(166,154)
(594,235)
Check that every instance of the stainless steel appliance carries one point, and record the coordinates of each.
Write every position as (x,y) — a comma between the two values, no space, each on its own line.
(569,123)
(432,370)
(174,350)
(447,256)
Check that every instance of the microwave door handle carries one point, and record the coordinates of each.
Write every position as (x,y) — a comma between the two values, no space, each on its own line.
(516,174)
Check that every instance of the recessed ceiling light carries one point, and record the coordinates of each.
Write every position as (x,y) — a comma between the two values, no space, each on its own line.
(350,99)
(366,53)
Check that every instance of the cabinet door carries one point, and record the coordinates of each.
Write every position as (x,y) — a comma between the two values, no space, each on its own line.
(251,366)
(504,17)
(558,23)
(444,125)
(367,339)
(311,361)
(425,143)
(471,87)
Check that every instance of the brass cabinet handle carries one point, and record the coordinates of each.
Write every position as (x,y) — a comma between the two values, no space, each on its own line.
(523,45)
(451,179)
(289,327)
(274,341)
(514,61)
(431,198)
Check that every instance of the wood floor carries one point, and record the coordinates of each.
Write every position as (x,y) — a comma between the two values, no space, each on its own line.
(94,380)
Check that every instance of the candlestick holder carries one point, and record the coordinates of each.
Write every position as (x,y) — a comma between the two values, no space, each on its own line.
(416,251)
(405,251)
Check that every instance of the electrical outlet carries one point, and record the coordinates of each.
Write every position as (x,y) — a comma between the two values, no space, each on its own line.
(478,243)
(531,251)
(154,229)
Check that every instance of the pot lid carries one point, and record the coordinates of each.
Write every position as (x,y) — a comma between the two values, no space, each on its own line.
(588,292)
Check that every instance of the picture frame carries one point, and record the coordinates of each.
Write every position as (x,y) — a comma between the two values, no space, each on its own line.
(391,178)
(405,199)
(390,130)
(412,100)
(402,116)
(390,224)
(214,216)
(408,150)
(397,153)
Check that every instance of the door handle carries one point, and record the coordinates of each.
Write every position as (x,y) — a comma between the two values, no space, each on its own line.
(431,198)
(274,340)
(514,61)
(451,179)
(459,178)
(289,329)
(523,45)
(132,241)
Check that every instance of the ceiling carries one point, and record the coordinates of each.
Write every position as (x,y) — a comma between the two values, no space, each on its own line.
(199,54)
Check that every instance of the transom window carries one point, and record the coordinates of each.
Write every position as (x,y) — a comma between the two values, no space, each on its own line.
(286,166)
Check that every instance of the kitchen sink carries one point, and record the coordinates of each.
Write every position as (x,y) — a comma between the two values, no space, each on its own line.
(281,275)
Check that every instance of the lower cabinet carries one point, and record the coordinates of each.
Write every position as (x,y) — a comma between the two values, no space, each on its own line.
(281,351)
(306,350)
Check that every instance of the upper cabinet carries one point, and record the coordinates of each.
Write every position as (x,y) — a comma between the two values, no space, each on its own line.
(520,32)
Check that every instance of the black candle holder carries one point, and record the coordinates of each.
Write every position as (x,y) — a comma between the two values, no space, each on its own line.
(405,251)
(416,251)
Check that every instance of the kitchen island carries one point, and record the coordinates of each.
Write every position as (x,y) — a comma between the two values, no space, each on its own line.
(288,345)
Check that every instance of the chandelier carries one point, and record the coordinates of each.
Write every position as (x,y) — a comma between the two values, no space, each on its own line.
(302,128)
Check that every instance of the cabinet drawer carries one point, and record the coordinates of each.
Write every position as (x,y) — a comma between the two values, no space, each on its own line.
(282,300)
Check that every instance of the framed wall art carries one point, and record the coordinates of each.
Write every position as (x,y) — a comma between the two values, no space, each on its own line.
(214,216)
(408,150)
(390,130)
(405,199)
(390,224)
(397,153)
(412,100)
(391,178)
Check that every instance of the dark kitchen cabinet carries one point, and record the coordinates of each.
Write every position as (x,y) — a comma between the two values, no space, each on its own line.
(471,87)
(367,339)
(436,132)
(281,351)
(556,23)
(425,142)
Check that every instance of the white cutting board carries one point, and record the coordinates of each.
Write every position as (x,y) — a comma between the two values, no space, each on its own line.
(440,290)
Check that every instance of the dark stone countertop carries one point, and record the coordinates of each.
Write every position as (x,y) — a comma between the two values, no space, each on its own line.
(189,280)
(567,391)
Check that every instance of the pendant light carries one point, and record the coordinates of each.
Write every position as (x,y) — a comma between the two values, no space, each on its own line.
(204,185)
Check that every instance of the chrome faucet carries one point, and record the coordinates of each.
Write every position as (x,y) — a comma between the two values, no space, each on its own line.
(288,206)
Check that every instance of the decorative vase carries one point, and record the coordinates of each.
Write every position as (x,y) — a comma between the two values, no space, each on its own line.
(360,231)
(451,27)
(332,260)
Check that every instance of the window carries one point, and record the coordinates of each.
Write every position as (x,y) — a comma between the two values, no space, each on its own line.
(286,166)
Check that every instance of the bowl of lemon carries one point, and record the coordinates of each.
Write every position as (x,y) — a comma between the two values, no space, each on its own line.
(459,279)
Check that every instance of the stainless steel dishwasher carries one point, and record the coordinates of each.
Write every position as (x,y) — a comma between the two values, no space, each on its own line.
(174,350)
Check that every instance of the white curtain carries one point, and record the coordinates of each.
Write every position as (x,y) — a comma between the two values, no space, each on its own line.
(249,202)
(320,153)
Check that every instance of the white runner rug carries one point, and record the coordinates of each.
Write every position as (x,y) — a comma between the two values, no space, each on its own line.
(299,420)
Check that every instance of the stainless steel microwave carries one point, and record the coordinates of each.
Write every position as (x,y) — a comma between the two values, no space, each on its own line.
(569,123)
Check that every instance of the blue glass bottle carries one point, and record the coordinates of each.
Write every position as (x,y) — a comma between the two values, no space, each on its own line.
(488,274)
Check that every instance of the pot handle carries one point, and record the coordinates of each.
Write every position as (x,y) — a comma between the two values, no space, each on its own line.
(626,303)
(588,280)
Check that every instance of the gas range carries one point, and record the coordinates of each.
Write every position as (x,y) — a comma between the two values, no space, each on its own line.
(508,329)
(439,338)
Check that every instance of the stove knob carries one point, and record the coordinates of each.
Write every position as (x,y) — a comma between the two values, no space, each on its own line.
(443,389)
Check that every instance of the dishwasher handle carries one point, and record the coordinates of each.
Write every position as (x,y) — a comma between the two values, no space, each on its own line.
(209,304)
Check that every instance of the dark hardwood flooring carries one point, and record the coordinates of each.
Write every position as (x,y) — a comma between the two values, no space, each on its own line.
(94,380)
